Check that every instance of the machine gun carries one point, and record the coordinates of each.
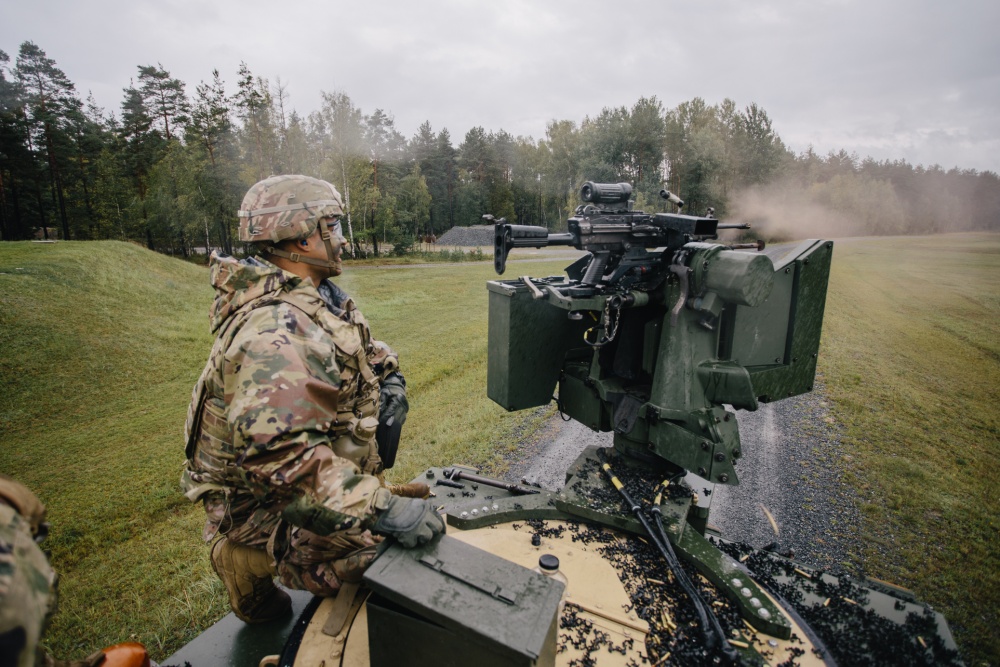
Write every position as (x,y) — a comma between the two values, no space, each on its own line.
(620,241)
(657,329)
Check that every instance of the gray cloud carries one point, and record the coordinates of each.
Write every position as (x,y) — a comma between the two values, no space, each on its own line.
(892,79)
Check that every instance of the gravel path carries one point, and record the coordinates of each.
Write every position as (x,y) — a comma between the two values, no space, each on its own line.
(476,235)
(793,465)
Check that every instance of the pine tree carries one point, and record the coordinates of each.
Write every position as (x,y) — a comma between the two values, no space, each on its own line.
(646,139)
(340,131)
(562,163)
(446,182)
(210,119)
(48,97)
(210,130)
(142,147)
(253,106)
(89,134)
(16,162)
(164,98)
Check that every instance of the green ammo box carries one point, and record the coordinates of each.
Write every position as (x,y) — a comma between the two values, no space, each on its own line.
(451,604)
(528,341)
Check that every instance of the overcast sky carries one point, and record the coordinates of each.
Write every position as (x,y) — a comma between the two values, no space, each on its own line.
(911,79)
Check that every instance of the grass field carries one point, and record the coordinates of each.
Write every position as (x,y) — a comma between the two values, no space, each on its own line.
(100,344)
(911,352)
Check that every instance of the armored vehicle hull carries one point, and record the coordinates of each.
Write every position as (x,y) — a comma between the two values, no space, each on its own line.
(478,597)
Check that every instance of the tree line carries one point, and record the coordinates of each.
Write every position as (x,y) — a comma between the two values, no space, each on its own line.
(169,168)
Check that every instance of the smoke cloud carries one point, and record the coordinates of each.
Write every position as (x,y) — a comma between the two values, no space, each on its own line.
(785,210)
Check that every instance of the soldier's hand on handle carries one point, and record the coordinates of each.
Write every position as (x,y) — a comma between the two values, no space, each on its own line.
(412,521)
(392,400)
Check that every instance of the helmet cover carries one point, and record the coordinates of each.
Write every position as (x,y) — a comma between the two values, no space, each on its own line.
(286,207)
(21,498)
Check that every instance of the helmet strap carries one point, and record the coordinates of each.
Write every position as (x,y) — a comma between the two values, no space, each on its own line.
(324,233)
(296,257)
(327,237)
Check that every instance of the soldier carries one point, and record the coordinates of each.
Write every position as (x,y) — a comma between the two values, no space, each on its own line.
(27,582)
(281,443)
(28,588)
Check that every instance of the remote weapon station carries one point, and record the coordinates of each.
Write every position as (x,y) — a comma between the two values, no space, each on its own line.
(656,335)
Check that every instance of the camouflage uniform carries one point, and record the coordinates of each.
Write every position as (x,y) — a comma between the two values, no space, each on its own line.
(282,423)
(27,582)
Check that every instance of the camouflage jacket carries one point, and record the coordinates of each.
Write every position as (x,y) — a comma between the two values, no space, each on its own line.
(27,590)
(282,419)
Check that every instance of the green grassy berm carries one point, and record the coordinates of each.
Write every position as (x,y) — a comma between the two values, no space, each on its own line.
(100,344)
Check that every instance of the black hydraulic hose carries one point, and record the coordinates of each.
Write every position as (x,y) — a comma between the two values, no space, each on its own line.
(686,583)
(710,627)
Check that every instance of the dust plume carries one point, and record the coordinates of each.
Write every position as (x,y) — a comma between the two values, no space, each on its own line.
(859,204)
(784,210)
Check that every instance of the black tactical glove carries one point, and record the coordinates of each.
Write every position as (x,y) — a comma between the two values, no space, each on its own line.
(392,399)
(393,407)
(412,521)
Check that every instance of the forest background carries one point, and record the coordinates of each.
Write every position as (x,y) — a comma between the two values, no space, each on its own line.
(169,169)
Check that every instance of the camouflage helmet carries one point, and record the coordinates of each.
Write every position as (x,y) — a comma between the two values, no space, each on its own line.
(26,503)
(286,207)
